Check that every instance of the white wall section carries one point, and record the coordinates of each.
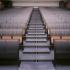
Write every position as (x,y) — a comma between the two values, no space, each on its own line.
(36,3)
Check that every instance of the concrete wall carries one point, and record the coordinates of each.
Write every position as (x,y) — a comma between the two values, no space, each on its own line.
(36,3)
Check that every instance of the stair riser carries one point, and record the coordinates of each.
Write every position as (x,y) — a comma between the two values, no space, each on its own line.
(34,37)
(38,35)
(36,31)
(36,28)
(35,52)
(36,41)
(34,24)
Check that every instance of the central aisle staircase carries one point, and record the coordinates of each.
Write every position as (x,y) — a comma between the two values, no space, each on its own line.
(36,54)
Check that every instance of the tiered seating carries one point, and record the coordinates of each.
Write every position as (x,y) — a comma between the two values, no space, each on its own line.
(11,34)
(13,23)
(57,22)
(15,18)
(59,34)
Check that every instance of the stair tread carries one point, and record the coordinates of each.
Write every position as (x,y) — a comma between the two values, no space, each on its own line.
(36,39)
(36,35)
(36,44)
(36,25)
(48,56)
(40,23)
(36,65)
(36,50)
(42,32)
(35,28)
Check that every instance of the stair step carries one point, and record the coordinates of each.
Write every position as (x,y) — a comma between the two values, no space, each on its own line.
(26,56)
(49,56)
(31,50)
(35,28)
(36,33)
(43,57)
(35,36)
(28,39)
(38,21)
(32,24)
(31,44)
(37,66)
(35,24)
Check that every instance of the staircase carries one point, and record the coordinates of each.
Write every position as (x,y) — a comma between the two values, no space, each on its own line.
(36,54)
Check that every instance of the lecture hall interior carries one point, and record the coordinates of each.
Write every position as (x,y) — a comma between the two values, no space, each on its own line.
(34,34)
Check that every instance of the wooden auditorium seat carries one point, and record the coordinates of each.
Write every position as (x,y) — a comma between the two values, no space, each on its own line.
(6,37)
(54,38)
(12,34)
(58,38)
(66,37)
(19,38)
(59,34)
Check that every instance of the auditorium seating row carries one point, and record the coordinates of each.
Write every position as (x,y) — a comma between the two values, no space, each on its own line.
(13,23)
(57,17)
(12,34)
(57,22)
(59,34)
(15,18)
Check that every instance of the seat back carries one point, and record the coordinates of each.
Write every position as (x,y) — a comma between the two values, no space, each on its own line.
(9,49)
(11,31)
(61,32)
(62,49)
